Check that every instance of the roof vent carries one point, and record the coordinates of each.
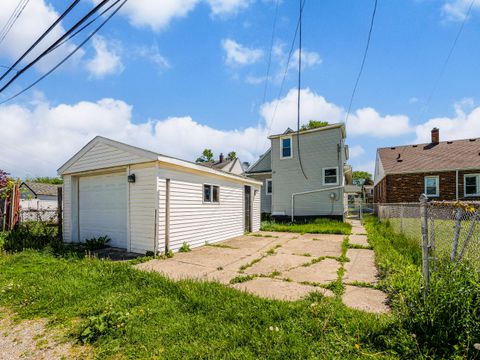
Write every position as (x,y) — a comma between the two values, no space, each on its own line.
(393,148)
(472,140)
(414,145)
(449,142)
(399,158)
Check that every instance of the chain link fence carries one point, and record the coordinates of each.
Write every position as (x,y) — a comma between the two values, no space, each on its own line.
(444,230)
(48,216)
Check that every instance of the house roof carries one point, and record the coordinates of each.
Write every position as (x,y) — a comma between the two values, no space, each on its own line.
(446,155)
(220,165)
(149,156)
(41,188)
(323,128)
(251,169)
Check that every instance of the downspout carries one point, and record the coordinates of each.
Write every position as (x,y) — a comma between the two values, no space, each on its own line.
(310,192)
(456,185)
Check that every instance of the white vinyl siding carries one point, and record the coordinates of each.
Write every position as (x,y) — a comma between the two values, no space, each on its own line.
(143,202)
(256,209)
(67,208)
(432,186)
(472,185)
(104,156)
(191,219)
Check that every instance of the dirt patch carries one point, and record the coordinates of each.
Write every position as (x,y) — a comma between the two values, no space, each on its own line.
(31,339)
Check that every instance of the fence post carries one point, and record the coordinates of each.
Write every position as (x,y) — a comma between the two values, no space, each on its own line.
(458,228)
(425,246)
(59,213)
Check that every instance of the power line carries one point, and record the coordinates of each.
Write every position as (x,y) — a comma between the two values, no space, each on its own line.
(363,62)
(13,18)
(447,60)
(51,47)
(68,56)
(299,87)
(46,32)
(280,91)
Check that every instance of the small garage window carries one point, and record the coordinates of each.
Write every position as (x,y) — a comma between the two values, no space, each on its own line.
(211,194)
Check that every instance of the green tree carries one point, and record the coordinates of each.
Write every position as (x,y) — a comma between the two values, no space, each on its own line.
(314,124)
(356,175)
(46,180)
(207,156)
(232,155)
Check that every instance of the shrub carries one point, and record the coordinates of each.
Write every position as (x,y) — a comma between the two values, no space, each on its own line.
(32,235)
(185,248)
(107,322)
(97,243)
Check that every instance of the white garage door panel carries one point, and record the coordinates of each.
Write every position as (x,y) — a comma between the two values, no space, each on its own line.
(103,208)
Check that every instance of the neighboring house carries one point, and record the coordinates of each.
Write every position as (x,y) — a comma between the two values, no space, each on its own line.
(323,155)
(447,170)
(231,166)
(33,190)
(146,201)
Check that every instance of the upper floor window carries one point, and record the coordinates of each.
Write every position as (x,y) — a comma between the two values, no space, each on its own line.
(286,147)
(472,185)
(330,176)
(432,186)
(268,187)
(211,194)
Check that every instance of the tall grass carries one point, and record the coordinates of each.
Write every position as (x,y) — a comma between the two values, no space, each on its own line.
(317,226)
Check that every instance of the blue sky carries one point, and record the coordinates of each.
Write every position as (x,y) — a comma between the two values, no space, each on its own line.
(181,75)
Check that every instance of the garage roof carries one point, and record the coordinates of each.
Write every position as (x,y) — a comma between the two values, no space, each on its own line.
(142,155)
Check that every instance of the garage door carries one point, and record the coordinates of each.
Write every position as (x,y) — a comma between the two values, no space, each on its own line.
(103,208)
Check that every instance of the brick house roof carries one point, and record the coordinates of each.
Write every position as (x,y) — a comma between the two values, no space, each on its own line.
(445,155)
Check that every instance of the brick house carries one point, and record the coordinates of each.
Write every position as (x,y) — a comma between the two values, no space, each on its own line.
(447,170)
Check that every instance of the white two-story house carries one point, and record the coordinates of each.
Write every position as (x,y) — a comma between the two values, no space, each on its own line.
(316,191)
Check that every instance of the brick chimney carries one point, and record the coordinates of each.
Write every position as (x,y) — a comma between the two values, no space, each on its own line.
(221,158)
(435,136)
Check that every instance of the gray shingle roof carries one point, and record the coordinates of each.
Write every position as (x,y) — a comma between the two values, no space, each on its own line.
(42,189)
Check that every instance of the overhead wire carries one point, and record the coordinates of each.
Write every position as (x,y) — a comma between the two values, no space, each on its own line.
(299,88)
(447,60)
(13,19)
(68,56)
(367,46)
(287,67)
(45,33)
(50,48)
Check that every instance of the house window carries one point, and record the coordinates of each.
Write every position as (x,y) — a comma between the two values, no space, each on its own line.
(286,148)
(472,185)
(432,186)
(330,176)
(268,187)
(211,193)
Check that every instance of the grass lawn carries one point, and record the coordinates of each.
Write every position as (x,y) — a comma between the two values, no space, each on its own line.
(132,314)
(317,226)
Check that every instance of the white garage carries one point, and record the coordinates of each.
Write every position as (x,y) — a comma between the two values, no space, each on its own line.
(144,201)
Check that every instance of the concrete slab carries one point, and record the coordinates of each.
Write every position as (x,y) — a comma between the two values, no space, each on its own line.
(361,266)
(176,270)
(316,246)
(365,299)
(278,262)
(253,243)
(322,272)
(361,240)
(358,230)
(278,289)
(221,276)
(212,257)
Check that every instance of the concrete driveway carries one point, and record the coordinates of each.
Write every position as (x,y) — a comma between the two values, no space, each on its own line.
(283,266)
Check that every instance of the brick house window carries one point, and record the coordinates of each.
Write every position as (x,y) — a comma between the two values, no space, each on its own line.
(472,185)
(432,186)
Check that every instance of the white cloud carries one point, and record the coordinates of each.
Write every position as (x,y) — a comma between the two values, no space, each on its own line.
(313,107)
(158,14)
(34,20)
(153,55)
(413,100)
(255,80)
(369,122)
(237,54)
(309,59)
(456,10)
(106,61)
(463,125)
(356,151)
(228,7)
